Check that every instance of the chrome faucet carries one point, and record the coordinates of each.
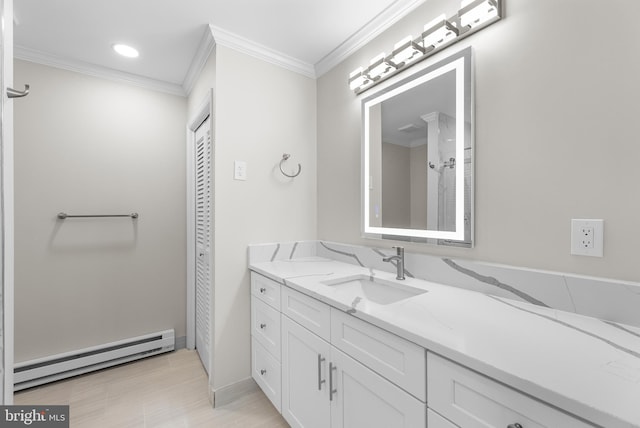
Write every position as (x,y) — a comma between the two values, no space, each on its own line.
(399,258)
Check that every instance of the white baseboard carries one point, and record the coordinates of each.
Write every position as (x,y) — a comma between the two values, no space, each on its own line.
(230,393)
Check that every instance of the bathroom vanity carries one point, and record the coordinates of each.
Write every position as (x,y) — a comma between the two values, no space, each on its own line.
(340,345)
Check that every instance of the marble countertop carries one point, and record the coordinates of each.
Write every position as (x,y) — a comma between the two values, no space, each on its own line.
(586,366)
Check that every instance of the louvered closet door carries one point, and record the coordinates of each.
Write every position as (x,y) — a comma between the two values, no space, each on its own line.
(203,241)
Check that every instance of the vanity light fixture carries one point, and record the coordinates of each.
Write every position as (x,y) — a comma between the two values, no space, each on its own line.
(406,51)
(438,32)
(473,16)
(477,12)
(358,78)
(380,66)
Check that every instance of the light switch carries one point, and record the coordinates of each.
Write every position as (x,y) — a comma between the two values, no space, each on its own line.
(240,170)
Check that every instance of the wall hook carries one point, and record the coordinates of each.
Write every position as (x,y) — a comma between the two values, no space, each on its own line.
(286,156)
(14,93)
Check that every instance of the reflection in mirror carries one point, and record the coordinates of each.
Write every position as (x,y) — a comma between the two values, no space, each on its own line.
(417,147)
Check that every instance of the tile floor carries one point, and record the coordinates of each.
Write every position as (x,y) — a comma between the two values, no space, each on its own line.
(168,390)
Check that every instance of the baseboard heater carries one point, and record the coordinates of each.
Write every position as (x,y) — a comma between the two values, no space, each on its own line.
(49,369)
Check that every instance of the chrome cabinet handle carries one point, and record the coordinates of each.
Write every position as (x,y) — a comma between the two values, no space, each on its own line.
(321,359)
(262,326)
(516,425)
(331,390)
(263,371)
(262,290)
(14,93)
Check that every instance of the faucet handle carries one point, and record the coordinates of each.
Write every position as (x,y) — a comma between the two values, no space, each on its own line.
(399,250)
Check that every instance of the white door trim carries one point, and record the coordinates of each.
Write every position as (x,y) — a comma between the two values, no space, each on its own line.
(7,216)
(206,108)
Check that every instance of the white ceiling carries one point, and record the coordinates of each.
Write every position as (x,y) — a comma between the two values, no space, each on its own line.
(79,33)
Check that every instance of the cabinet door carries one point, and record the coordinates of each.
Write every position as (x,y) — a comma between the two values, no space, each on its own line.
(305,362)
(362,398)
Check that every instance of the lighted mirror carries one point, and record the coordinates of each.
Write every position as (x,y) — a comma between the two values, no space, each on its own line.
(417,169)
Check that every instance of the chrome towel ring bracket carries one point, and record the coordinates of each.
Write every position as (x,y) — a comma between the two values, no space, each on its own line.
(286,156)
(14,93)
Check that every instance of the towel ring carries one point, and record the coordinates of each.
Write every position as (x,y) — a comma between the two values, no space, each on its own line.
(286,156)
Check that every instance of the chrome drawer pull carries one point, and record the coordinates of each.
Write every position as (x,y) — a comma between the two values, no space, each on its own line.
(262,326)
(331,390)
(516,425)
(321,359)
(263,371)
(262,290)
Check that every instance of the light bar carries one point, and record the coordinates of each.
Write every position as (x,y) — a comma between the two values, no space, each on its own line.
(476,12)
(406,51)
(439,33)
(379,66)
(357,79)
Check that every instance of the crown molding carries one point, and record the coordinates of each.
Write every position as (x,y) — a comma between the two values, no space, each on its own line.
(207,43)
(249,47)
(43,58)
(214,35)
(374,28)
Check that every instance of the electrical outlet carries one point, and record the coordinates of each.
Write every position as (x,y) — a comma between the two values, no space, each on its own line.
(587,237)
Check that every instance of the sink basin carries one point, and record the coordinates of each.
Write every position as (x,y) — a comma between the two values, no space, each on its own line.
(380,291)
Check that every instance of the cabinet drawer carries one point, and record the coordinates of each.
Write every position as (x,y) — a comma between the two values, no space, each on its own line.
(265,370)
(265,326)
(307,311)
(400,361)
(471,400)
(266,290)
(434,420)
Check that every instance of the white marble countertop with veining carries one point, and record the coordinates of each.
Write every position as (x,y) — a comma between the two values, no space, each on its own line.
(586,366)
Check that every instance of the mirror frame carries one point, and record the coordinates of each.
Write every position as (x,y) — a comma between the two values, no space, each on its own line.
(461,62)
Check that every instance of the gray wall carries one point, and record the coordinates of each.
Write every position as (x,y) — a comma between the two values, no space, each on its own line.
(87,145)
(261,111)
(556,134)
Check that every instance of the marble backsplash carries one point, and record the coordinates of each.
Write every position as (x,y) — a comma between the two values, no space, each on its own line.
(606,299)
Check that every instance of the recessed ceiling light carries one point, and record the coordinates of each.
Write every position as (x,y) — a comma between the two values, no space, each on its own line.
(126,50)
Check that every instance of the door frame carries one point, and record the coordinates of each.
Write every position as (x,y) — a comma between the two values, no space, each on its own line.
(206,108)
(7,208)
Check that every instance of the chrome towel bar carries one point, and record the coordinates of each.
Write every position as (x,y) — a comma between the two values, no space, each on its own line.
(62,216)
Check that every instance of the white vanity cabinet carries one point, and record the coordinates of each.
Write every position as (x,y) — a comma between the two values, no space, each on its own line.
(322,367)
(323,386)
(265,337)
(470,400)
